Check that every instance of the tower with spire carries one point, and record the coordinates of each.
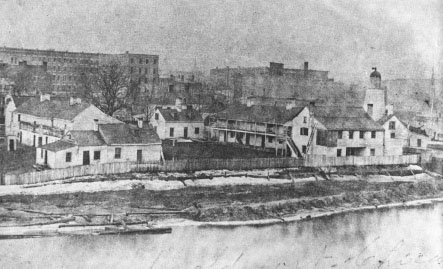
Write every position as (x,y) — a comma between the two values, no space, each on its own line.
(375,96)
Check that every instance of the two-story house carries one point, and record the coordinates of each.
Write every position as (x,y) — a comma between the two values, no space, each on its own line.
(40,121)
(286,130)
(346,131)
(178,122)
(107,143)
(399,134)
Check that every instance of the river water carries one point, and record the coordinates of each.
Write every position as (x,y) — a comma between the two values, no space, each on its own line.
(391,238)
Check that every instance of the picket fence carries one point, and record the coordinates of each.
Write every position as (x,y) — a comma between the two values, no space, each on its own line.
(204,164)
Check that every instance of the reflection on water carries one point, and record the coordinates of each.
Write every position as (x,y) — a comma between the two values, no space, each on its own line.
(395,238)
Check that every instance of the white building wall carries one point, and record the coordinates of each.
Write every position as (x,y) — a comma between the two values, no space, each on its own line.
(376,97)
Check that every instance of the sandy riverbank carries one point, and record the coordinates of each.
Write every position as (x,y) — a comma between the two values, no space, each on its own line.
(227,198)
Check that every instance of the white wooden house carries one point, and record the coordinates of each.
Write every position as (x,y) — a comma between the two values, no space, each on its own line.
(108,143)
(39,121)
(178,123)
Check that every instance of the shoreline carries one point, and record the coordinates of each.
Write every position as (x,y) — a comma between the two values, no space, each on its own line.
(298,217)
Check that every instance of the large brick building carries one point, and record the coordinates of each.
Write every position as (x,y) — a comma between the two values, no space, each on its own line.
(64,66)
(273,81)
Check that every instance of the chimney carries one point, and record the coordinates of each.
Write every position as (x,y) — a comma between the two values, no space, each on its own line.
(389,109)
(73,101)
(140,123)
(44,97)
(96,125)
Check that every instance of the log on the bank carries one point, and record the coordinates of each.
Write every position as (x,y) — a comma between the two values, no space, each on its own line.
(100,224)
(43,223)
(157,213)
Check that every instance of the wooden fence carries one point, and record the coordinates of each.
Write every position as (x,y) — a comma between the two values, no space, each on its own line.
(75,171)
(205,164)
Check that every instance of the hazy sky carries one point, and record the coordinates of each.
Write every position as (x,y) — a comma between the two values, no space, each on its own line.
(402,38)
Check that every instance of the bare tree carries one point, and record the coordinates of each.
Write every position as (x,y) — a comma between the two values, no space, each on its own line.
(110,87)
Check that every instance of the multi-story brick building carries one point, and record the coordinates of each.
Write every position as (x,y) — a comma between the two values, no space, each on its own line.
(273,81)
(64,66)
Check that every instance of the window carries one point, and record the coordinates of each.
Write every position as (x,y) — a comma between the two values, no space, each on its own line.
(139,70)
(340,134)
(41,153)
(146,70)
(40,141)
(303,149)
(141,61)
(132,69)
(232,134)
(351,134)
(19,117)
(132,60)
(338,152)
(372,152)
(392,125)
(118,153)
(97,155)
(171,88)
(362,134)
(305,119)
(419,142)
(373,134)
(171,132)
(46,140)
(197,131)
(155,61)
(392,135)
(270,140)
(156,116)
(304,131)
(147,61)
(68,157)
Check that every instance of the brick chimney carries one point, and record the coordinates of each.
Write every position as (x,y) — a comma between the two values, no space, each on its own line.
(96,125)
(44,97)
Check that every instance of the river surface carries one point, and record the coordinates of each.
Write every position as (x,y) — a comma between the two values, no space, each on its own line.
(390,238)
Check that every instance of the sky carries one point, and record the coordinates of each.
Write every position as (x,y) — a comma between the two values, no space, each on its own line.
(403,38)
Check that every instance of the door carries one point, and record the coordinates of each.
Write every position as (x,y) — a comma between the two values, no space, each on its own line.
(11,145)
(86,158)
(46,156)
(263,140)
(247,139)
(185,132)
(139,156)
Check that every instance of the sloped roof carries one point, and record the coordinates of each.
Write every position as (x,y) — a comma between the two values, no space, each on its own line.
(403,117)
(19,100)
(58,145)
(60,109)
(185,115)
(87,138)
(345,118)
(118,134)
(417,130)
(260,113)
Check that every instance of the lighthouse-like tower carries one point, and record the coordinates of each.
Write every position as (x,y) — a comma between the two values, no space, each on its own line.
(375,96)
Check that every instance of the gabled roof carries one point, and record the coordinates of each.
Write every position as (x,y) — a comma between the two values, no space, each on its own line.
(19,100)
(402,118)
(58,145)
(87,138)
(345,118)
(60,109)
(185,115)
(120,134)
(260,113)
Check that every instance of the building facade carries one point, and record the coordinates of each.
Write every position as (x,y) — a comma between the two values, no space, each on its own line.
(108,143)
(39,121)
(173,123)
(65,66)
(274,81)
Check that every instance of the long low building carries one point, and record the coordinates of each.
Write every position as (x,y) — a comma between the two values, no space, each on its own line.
(299,131)
(109,143)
